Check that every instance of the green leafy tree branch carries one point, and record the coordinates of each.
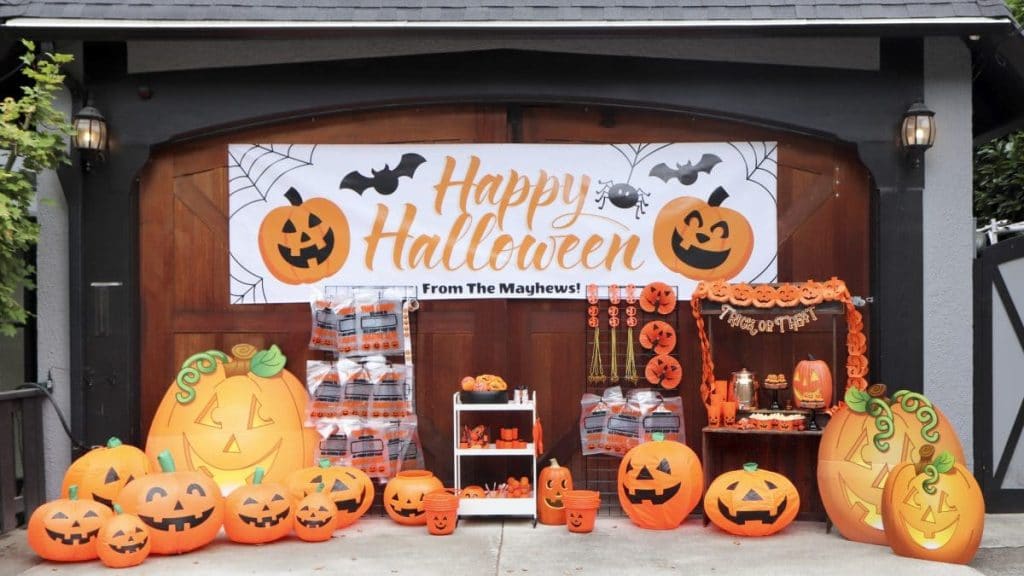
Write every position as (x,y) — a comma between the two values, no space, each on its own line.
(32,139)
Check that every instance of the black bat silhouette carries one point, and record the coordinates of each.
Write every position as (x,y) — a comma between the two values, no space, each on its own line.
(384,181)
(686,173)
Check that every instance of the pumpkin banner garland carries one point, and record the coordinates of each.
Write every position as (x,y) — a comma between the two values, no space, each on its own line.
(751,501)
(103,471)
(65,530)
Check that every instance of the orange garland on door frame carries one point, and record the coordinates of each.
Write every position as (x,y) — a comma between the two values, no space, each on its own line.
(786,295)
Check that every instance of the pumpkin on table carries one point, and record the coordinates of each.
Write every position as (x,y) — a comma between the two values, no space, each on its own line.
(552,485)
(184,510)
(933,510)
(349,488)
(703,240)
(751,502)
(812,383)
(101,472)
(403,496)
(659,483)
(65,530)
(123,540)
(315,516)
(306,241)
(258,513)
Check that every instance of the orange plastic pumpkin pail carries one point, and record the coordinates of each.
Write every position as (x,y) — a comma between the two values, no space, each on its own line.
(442,510)
(581,510)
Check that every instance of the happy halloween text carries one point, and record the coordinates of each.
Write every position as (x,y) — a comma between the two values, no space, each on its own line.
(479,242)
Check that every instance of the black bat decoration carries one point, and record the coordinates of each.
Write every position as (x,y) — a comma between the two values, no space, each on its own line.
(686,173)
(384,181)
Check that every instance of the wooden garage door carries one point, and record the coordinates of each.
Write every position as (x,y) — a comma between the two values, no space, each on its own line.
(824,211)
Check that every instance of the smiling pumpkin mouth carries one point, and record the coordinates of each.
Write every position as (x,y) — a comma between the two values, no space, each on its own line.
(554,502)
(696,256)
(871,516)
(265,521)
(936,540)
(128,548)
(70,539)
(230,478)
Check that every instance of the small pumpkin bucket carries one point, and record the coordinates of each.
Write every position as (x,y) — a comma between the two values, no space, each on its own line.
(581,509)
(442,509)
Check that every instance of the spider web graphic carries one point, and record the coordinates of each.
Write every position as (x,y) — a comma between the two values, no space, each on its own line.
(246,286)
(762,165)
(253,171)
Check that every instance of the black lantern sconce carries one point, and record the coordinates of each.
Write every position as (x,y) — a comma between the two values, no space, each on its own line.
(90,137)
(917,132)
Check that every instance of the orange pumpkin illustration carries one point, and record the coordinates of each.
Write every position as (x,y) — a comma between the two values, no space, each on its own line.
(665,371)
(658,297)
(751,502)
(658,336)
(703,240)
(305,242)
(659,483)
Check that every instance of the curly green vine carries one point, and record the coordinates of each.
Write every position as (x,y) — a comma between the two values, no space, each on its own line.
(922,409)
(192,371)
(932,479)
(879,409)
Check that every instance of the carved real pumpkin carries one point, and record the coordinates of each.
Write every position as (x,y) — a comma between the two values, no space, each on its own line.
(123,540)
(703,240)
(306,241)
(863,442)
(659,483)
(933,510)
(315,516)
(403,496)
(552,485)
(103,471)
(224,417)
(65,530)
(812,383)
(259,512)
(751,502)
(664,370)
(349,488)
(658,336)
(183,510)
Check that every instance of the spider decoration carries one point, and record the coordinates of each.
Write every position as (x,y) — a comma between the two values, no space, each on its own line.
(622,195)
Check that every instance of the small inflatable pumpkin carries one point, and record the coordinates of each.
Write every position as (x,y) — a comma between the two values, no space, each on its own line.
(259,512)
(349,488)
(65,530)
(315,516)
(123,540)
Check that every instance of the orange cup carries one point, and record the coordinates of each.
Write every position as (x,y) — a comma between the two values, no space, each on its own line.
(442,509)
(729,412)
(714,413)
(581,509)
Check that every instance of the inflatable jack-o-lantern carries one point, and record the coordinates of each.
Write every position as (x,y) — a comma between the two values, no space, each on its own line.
(552,485)
(184,510)
(103,471)
(933,510)
(227,416)
(659,483)
(861,445)
(259,512)
(349,488)
(751,502)
(123,540)
(812,383)
(315,516)
(306,241)
(65,530)
(403,496)
(703,240)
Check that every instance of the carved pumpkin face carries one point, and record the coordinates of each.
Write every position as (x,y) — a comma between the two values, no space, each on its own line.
(765,296)
(787,295)
(575,519)
(751,502)
(225,417)
(664,370)
(942,520)
(659,484)
(183,510)
(742,295)
(403,496)
(855,457)
(811,293)
(473,491)
(812,384)
(441,521)
(123,541)
(349,488)
(658,336)
(102,472)
(703,240)
(65,530)
(305,242)
(552,485)
(259,512)
(315,517)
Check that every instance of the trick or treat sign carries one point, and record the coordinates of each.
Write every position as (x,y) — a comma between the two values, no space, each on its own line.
(498,220)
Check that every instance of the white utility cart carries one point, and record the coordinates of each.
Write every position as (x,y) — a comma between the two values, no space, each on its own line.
(496,506)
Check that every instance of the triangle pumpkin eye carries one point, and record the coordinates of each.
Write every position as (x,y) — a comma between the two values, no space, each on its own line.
(118,533)
(338,486)
(60,516)
(249,501)
(304,509)
(276,498)
(314,221)
(317,479)
(90,514)
(111,476)
(664,466)
(289,228)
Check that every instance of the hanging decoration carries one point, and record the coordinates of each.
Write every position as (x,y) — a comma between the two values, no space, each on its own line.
(613,325)
(630,374)
(595,371)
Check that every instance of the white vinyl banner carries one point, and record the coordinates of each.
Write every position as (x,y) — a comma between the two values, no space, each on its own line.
(498,220)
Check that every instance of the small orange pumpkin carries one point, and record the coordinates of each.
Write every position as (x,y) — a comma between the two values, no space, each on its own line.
(123,540)
(403,496)
(703,240)
(350,489)
(473,491)
(810,293)
(787,295)
(659,483)
(305,242)
(315,516)
(751,502)
(552,485)
(259,512)
(103,471)
(665,371)
(65,530)
(742,295)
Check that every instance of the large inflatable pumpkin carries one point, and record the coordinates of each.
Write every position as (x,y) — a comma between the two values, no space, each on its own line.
(751,502)
(226,416)
(659,483)
(863,442)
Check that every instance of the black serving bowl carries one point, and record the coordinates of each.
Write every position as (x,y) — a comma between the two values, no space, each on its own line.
(484,397)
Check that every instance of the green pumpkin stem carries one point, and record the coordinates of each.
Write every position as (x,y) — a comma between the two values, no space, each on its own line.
(114,442)
(166,461)
(320,487)
(118,509)
(73,492)
(750,467)
(192,370)
(325,463)
(658,436)
(257,477)
(718,196)
(923,410)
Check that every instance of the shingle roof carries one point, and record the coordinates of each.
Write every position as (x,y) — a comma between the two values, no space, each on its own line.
(425,11)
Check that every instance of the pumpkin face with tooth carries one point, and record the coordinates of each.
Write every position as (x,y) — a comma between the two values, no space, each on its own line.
(102,472)
(350,489)
(306,241)
(315,517)
(552,485)
(65,530)
(440,521)
(123,541)
(751,502)
(812,383)
(703,240)
(659,484)
(258,513)
(403,496)
(183,510)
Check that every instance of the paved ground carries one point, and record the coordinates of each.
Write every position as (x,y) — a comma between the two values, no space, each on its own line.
(377,546)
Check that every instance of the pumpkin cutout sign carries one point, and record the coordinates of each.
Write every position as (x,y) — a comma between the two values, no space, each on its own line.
(703,240)
(933,510)
(865,440)
(227,416)
(306,241)
(123,540)
(751,502)
(103,471)
(65,530)
(659,483)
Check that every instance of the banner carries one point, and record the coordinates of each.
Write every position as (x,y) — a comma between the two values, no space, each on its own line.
(498,220)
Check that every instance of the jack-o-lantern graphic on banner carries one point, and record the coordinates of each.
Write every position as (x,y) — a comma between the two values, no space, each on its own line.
(703,240)
(659,483)
(103,471)
(306,241)
(866,439)
(65,530)
(933,510)
(751,502)
(225,416)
